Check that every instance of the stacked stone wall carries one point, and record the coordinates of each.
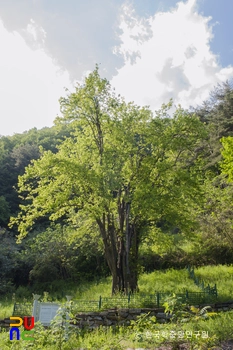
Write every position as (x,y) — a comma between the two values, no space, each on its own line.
(112,317)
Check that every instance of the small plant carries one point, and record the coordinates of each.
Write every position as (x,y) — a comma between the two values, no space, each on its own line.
(144,321)
(175,308)
(144,328)
(198,314)
(60,326)
(46,297)
(182,313)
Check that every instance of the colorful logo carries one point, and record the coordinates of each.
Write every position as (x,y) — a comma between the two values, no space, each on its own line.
(28,323)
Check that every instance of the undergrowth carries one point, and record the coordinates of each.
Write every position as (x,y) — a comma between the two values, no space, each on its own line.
(200,332)
(144,332)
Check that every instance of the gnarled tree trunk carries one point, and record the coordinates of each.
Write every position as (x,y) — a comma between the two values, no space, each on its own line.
(121,249)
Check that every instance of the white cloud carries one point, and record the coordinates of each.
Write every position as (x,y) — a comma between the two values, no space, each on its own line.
(34,35)
(31,83)
(167,56)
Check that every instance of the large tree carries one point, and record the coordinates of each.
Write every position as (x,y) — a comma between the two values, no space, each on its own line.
(122,168)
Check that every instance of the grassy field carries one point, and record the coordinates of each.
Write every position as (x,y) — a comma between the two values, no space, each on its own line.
(200,333)
(171,280)
(222,275)
(144,333)
(6,308)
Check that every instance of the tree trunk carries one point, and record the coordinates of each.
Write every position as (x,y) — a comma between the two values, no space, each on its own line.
(121,251)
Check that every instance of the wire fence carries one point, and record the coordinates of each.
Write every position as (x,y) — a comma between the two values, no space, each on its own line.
(201,284)
(22,309)
(130,301)
(143,301)
(156,300)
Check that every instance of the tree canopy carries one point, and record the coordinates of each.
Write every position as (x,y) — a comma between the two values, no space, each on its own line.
(122,168)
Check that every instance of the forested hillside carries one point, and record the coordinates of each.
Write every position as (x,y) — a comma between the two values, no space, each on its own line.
(114,189)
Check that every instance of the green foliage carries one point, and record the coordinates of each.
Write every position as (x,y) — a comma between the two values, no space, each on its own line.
(118,181)
(166,281)
(222,275)
(227,153)
(4,211)
(52,169)
(146,332)
(180,312)
(173,306)
(122,168)
(201,313)
(106,159)
(16,152)
(216,113)
(56,254)
(214,237)
(8,261)
(5,309)
(138,327)
(54,260)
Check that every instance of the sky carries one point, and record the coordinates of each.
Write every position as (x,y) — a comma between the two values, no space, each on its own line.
(149,50)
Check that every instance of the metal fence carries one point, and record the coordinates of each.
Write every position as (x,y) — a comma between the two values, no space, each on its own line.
(22,309)
(143,301)
(207,295)
(200,283)
(130,301)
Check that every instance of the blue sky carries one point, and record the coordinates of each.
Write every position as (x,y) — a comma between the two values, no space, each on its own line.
(149,50)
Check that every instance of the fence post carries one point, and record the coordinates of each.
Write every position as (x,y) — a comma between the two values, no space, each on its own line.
(36,298)
(157,299)
(187,294)
(100,301)
(128,298)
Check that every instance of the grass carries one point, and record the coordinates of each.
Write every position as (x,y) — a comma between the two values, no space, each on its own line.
(171,280)
(167,281)
(138,334)
(93,290)
(6,308)
(222,275)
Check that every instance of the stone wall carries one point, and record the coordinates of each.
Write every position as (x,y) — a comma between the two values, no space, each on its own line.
(116,316)
(112,317)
